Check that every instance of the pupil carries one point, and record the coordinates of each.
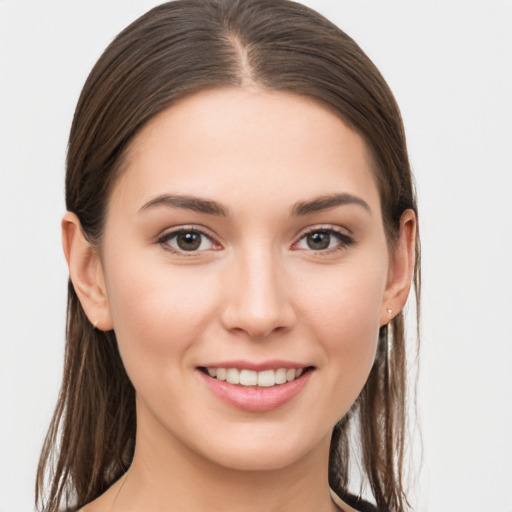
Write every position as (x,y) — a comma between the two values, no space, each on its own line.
(318,240)
(189,241)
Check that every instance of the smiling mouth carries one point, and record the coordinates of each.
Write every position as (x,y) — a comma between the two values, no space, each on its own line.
(251,378)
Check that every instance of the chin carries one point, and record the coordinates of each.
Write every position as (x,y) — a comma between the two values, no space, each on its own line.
(256,460)
(263,451)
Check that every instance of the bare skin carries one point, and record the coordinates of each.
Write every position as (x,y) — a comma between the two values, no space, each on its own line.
(285,259)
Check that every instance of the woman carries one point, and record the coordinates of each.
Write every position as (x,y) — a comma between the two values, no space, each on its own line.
(241,238)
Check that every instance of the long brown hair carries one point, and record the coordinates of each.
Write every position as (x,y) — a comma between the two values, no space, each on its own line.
(174,50)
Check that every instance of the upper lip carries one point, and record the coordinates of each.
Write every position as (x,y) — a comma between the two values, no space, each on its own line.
(257,367)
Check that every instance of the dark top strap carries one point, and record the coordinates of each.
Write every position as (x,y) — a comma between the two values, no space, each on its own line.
(359,504)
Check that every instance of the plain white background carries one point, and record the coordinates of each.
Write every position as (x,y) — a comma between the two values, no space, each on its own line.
(449,64)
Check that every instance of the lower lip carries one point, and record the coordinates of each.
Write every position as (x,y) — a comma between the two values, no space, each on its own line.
(256,399)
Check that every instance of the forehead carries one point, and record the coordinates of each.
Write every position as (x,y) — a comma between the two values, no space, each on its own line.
(247,147)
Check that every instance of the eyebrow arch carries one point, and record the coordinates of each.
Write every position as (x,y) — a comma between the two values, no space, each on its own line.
(326,202)
(187,202)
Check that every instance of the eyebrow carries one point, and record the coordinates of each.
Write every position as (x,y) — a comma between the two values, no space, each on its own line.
(209,207)
(195,204)
(326,202)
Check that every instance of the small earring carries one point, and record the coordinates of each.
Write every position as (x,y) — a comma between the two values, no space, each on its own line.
(95,323)
(390,313)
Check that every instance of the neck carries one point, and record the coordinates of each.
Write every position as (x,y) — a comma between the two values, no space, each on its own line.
(170,476)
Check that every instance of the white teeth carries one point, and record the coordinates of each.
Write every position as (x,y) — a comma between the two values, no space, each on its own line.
(233,376)
(248,378)
(281,376)
(265,378)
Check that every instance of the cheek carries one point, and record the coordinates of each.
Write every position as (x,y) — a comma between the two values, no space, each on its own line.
(346,299)
(158,312)
(344,311)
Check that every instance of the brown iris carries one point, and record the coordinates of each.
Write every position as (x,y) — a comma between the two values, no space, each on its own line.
(318,240)
(188,241)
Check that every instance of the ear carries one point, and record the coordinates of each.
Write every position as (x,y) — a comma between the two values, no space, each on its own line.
(401,268)
(86,273)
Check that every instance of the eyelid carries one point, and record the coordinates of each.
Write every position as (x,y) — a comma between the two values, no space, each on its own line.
(345,232)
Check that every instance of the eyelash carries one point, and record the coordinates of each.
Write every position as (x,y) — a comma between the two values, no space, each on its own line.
(344,240)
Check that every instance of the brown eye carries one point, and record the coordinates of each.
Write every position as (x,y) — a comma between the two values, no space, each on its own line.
(186,240)
(324,241)
(318,240)
(190,241)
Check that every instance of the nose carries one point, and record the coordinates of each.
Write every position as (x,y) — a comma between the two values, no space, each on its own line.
(257,297)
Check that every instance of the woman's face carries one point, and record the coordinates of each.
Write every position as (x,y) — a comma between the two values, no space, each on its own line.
(245,239)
